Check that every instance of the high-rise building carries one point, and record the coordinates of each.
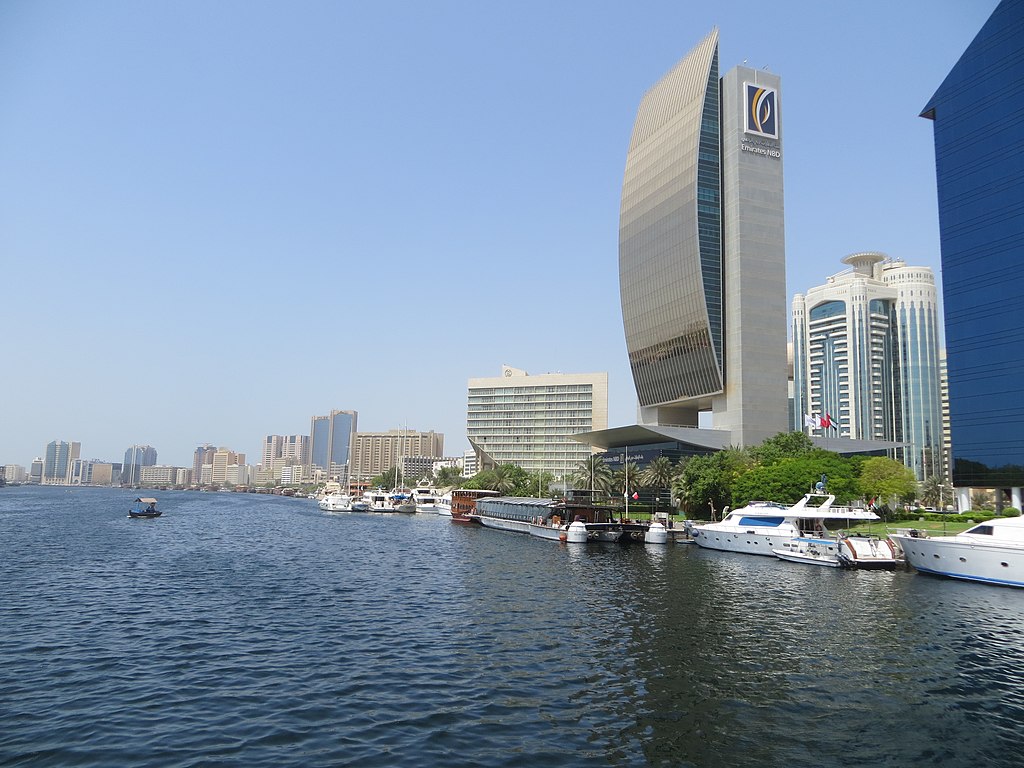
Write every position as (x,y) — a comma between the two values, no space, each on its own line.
(294,448)
(866,355)
(35,473)
(135,458)
(58,462)
(202,457)
(330,441)
(980,177)
(702,249)
(374,453)
(531,421)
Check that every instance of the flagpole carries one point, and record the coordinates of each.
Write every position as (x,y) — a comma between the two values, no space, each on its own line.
(625,490)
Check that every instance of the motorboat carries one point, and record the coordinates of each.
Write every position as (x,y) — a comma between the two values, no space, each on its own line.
(336,502)
(144,507)
(426,500)
(840,551)
(380,500)
(444,504)
(991,552)
(761,527)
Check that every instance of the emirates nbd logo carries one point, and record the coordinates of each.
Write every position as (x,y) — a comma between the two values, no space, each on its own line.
(762,111)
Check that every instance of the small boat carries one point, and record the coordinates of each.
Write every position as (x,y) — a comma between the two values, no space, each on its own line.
(991,552)
(144,507)
(840,552)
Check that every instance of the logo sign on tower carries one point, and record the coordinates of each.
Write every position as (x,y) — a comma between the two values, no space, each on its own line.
(762,111)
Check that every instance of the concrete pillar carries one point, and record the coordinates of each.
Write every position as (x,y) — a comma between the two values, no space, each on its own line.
(1015,498)
(963,499)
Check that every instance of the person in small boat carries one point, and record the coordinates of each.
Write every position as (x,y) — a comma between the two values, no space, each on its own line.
(151,507)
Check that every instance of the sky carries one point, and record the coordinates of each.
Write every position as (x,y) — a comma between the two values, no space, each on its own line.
(220,219)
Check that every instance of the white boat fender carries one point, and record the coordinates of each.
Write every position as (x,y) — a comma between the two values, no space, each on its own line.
(656,534)
(576,533)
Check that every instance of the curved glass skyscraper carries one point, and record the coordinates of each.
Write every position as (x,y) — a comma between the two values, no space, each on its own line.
(701,249)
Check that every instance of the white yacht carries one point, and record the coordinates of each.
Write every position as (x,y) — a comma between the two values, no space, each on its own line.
(426,500)
(336,502)
(444,504)
(990,552)
(762,527)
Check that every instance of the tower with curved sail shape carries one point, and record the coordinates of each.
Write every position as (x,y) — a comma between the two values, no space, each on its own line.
(701,250)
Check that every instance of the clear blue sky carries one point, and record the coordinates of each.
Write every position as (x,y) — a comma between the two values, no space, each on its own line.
(220,218)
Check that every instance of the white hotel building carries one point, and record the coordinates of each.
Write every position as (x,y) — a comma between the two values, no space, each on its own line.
(530,421)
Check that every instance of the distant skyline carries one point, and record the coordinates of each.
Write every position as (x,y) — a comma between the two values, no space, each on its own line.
(218,220)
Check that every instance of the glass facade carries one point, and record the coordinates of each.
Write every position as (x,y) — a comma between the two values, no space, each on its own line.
(979,134)
(670,258)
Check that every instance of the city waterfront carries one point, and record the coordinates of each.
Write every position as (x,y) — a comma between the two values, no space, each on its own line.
(241,629)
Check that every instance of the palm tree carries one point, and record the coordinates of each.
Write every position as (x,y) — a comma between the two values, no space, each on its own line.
(594,473)
(504,482)
(659,473)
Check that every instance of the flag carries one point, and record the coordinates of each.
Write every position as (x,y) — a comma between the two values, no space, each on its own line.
(635,495)
(826,421)
(810,421)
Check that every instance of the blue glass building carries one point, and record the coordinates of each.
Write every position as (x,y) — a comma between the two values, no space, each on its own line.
(979,138)
(331,439)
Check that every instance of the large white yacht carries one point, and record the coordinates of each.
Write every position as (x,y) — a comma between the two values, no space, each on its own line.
(990,552)
(764,526)
(426,500)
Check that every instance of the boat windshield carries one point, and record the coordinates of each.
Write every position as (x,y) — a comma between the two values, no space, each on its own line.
(768,522)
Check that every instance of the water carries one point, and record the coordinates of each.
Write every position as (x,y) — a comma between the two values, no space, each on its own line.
(250,630)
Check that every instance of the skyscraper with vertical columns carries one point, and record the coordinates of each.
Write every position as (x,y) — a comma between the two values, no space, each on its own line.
(702,249)
(866,352)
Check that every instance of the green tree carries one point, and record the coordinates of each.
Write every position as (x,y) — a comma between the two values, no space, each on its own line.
(789,478)
(388,479)
(886,480)
(705,484)
(448,477)
(626,480)
(785,445)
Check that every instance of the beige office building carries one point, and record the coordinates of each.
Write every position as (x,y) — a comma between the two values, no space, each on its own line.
(374,453)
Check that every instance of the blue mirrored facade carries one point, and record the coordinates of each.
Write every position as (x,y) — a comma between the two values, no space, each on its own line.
(979,159)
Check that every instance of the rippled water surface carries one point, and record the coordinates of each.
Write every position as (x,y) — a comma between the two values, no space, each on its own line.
(258,631)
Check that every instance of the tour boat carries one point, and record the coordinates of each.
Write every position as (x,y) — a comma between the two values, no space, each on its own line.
(537,517)
(761,527)
(991,552)
(144,507)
